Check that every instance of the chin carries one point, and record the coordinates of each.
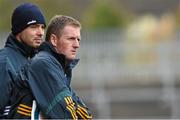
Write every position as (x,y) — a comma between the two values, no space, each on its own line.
(71,58)
(37,45)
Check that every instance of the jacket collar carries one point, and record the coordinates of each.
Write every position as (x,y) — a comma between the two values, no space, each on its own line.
(47,46)
(23,48)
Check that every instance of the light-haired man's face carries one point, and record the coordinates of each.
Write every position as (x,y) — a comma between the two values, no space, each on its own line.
(69,42)
(32,35)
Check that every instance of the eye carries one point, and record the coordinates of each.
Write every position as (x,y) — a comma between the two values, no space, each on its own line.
(71,38)
(33,26)
(43,27)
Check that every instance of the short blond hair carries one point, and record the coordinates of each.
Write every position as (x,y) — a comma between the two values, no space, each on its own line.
(57,24)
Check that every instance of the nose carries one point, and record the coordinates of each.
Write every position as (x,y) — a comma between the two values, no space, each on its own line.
(40,31)
(77,43)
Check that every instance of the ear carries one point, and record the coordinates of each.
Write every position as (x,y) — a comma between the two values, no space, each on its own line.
(18,37)
(53,40)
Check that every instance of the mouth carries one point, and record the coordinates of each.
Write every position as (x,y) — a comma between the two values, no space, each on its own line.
(38,40)
(73,51)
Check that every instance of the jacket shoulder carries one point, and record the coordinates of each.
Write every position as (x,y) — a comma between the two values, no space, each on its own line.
(45,57)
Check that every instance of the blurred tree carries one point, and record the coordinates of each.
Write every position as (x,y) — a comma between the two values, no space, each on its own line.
(6,7)
(91,13)
(49,8)
(105,14)
(177,15)
(54,7)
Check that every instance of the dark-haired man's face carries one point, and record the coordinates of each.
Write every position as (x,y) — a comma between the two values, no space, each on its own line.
(32,35)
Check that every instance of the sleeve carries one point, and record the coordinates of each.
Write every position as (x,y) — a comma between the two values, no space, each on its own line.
(7,73)
(81,109)
(46,80)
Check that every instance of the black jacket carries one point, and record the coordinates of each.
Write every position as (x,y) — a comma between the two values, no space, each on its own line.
(12,57)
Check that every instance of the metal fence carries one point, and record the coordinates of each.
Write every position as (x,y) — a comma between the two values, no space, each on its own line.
(118,79)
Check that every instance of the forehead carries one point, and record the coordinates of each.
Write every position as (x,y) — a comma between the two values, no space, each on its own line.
(38,25)
(69,29)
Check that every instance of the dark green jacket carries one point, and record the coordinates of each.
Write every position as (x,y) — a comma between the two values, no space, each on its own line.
(49,80)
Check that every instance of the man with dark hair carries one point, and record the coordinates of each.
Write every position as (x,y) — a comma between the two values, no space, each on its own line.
(28,25)
(50,71)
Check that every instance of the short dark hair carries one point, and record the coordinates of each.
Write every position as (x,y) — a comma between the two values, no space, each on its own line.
(57,24)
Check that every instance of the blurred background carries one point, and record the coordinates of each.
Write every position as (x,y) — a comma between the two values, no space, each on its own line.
(129,57)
